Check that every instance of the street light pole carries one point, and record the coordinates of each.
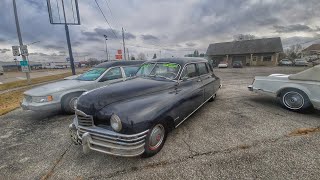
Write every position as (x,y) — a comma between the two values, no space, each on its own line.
(24,58)
(106,38)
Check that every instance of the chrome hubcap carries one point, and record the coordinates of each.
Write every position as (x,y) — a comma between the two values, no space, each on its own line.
(72,101)
(156,137)
(293,100)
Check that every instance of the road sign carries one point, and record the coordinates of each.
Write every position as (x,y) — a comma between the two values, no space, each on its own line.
(15,51)
(24,50)
(119,51)
(24,66)
(118,56)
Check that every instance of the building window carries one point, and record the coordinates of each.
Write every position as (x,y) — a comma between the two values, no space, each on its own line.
(267,58)
(254,58)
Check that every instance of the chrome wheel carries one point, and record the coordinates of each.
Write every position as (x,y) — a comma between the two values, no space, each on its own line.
(156,136)
(293,100)
(72,103)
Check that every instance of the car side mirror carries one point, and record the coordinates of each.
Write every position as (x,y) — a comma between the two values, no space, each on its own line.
(184,78)
(103,79)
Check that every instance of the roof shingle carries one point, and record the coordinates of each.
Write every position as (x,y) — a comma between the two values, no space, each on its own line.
(267,45)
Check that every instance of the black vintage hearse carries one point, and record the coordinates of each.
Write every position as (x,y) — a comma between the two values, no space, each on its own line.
(133,117)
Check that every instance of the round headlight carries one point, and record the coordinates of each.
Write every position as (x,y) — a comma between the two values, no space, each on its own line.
(115,123)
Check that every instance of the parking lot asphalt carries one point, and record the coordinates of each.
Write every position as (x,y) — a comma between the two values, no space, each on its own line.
(241,135)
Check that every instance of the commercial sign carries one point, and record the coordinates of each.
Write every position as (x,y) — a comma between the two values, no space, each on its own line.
(119,51)
(24,66)
(118,56)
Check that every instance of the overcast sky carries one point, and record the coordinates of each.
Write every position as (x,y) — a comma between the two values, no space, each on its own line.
(176,27)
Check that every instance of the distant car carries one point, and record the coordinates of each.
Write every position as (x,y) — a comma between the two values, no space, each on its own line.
(297,92)
(285,62)
(63,94)
(300,62)
(223,65)
(133,118)
(237,64)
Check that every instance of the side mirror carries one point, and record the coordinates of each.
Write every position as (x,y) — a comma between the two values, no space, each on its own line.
(103,79)
(184,78)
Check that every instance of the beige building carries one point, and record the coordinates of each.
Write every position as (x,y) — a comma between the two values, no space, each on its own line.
(257,52)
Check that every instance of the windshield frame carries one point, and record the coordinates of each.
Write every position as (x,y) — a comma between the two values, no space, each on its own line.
(155,64)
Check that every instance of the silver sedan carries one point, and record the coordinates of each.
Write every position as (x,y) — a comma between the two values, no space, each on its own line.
(62,95)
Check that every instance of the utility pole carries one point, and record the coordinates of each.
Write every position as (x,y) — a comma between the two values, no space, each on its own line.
(128,54)
(68,41)
(24,58)
(106,38)
(124,46)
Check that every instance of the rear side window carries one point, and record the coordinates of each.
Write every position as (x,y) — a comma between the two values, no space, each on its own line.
(202,69)
(114,73)
(130,70)
(189,71)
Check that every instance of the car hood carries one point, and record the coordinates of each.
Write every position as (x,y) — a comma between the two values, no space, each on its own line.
(50,88)
(93,101)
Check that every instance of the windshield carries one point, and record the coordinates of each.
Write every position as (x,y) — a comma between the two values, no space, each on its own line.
(92,74)
(161,70)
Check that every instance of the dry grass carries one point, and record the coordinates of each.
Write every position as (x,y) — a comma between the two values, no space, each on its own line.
(10,101)
(22,83)
(304,131)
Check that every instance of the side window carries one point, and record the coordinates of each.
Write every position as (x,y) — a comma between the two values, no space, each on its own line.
(114,73)
(189,71)
(202,68)
(130,70)
(209,67)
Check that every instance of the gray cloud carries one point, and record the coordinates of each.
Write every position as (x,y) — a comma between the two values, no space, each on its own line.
(191,44)
(98,34)
(149,37)
(54,47)
(4,50)
(293,28)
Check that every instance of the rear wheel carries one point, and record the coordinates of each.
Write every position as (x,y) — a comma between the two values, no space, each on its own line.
(155,139)
(295,100)
(213,98)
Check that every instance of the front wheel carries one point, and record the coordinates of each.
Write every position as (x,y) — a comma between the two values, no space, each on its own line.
(295,100)
(155,139)
(68,103)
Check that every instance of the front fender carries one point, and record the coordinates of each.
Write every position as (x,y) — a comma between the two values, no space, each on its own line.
(140,113)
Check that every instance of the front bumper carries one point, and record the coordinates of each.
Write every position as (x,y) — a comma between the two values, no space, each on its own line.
(50,106)
(109,142)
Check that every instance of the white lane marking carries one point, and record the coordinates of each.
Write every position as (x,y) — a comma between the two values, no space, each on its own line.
(22,78)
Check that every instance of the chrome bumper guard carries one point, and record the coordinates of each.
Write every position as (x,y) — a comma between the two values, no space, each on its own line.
(109,142)
(250,87)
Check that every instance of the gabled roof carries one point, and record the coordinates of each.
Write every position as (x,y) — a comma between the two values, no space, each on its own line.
(313,47)
(267,45)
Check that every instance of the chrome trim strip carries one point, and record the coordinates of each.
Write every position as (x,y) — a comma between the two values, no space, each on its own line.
(116,154)
(193,111)
(103,132)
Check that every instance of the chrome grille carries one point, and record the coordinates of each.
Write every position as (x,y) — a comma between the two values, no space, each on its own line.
(84,119)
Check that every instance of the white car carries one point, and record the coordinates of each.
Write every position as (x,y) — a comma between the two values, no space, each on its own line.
(223,65)
(297,92)
(62,95)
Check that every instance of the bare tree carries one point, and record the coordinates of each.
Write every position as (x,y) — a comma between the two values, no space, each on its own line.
(294,51)
(141,56)
(241,37)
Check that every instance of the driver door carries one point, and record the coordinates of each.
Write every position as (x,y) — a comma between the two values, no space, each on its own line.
(113,75)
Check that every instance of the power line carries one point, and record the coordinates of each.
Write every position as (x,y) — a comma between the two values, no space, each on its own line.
(114,19)
(106,19)
(303,42)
